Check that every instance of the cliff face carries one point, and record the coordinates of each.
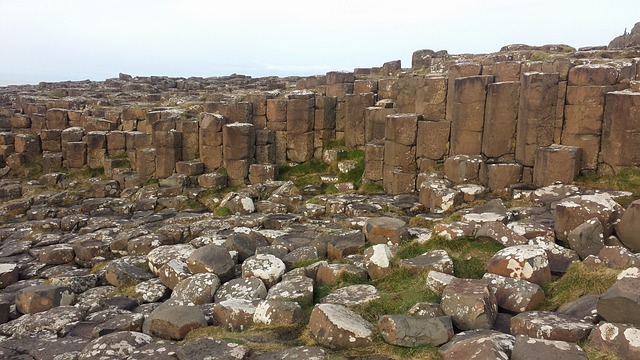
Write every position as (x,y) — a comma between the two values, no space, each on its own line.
(631,39)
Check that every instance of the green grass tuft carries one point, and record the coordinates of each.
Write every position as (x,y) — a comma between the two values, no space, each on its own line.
(303,174)
(371,189)
(222,211)
(627,179)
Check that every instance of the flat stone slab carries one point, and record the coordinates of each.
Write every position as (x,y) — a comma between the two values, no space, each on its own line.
(550,326)
(337,327)
(352,295)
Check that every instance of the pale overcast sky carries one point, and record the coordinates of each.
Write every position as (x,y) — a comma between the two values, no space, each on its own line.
(85,39)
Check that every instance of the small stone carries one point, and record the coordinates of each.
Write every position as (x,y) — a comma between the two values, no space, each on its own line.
(337,327)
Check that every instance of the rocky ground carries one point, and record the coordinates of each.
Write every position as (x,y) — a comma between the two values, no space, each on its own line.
(279,271)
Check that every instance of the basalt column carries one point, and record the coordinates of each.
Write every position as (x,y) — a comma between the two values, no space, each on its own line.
(536,115)
(277,121)
(500,120)
(354,126)
(467,114)
(584,109)
(239,150)
(620,132)
(300,123)
(339,84)
(325,123)
(210,140)
(399,172)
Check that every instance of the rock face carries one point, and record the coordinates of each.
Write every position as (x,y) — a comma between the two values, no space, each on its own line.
(336,327)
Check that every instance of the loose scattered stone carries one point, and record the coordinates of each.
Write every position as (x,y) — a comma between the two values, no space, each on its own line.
(235,314)
(437,260)
(119,345)
(618,339)
(275,312)
(241,288)
(385,230)
(330,273)
(337,327)
(352,295)
(470,303)
(478,344)
(587,239)
(515,295)
(621,302)
(377,259)
(205,348)
(426,310)
(42,298)
(411,331)
(174,322)
(213,259)
(628,229)
(527,262)
(526,348)
(265,267)
(550,326)
(197,289)
(294,288)
(437,281)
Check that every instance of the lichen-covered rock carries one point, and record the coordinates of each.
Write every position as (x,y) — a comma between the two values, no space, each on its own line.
(238,203)
(343,244)
(174,271)
(275,312)
(122,322)
(158,350)
(293,288)
(151,290)
(43,324)
(337,327)
(161,255)
(500,233)
(205,348)
(174,322)
(9,274)
(515,295)
(587,239)
(559,256)
(426,309)
(330,273)
(618,257)
(437,281)
(265,267)
(528,348)
(456,229)
(409,331)
(478,344)
(241,288)
(127,271)
(437,260)
(584,308)
(628,229)
(352,295)
(377,259)
(622,340)
(528,262)
(54,254)
(576,210)
(550,326)
(245,242)
(385,230)
(119,345)
(470,303)
(197,289)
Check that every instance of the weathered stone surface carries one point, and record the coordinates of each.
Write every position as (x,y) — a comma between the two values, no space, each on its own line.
(174,322)
(45,324)
(437,281)
(556,163)
(621,302)
(241,288)
(437,260)
(618,257)
(411,331)
(117,345)
(550,326)
(385,230)
(214,259)
(527,262)
(463,168)
(122,322)
(470,303)
(377,259)
(245,243)
(628,229)
(235,314)
(40,298)
(500,233)
(587,239)
(531,348)
(620,120)
(297,352)
(457,229)
(618,339)
(468,110)
(197,289)
(500,119)
(205,348)
(275,312)
(336,327)
(426,309)
(478,344)
(8,274)
(161,255)
(346,243)
(293,288)
(515,295)
(265,267)
(352,295)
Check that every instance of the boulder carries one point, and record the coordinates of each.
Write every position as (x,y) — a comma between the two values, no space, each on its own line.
(576,210)
(628,229)
(456,229)
(330,273)
(352,295)
(385,230)
(245,243)
(161,255)
(117,345)
(500,233)
(34,299)
(265,267)
(587,239)
(377,259)
(470,303)
(174,322)
(426,309)
(174,271)
(235,314)
(618,339)
(478,344)
(621,302)
(275,312)
(550,326)
(293,288)
(197,289)
(343,244)
(618,257)
(437,260)
(9,274)
(122,322)
(214,259)
(527,262)
(151,291)
(527,348)
(338,328)
(515,295)
(437,281)
(241,288)
(408,331)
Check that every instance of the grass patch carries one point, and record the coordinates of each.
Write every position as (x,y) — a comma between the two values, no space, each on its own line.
(191,204)
(307,173)
(399,291)
(354,175)
(597,354)
(222,211)
(259,338)
(626,180)
(127,290)
(580,279)
(384,350)
(335,144)
(469,255)
(371,189)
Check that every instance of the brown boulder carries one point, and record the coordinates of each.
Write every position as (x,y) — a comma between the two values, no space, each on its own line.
(338,328)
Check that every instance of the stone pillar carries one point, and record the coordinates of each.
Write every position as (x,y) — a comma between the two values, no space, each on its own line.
(259,108)
(168,145)
(500,120)
(51,140)
(536,115)
(455,71)
(584,109)
(28,145)
(76,156)
(57,119)
(556,163)
(190,138)
(265,146)
(373,163)
(406,89)
(431,97)
(374,122)
(620,137)
(325,123)
(432,143)
(399,172)
(277,121)
(116,143)
(339,84)
(354,128)
(96,148)
(238,151)
(300,123)
(210,140)
(467,114)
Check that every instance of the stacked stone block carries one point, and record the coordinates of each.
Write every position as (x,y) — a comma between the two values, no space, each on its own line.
(354,126)
(324,123)
(468,98)
(277,121)
(620,137)
(300,125)
(374,122)
(265,146)
(339,84)
(432,143)
(210,140)
(455,71)
(500,120)
(238,151)
(168,145)
(399,172)
(584,109)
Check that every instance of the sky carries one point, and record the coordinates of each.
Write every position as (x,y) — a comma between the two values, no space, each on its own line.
(61,40)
